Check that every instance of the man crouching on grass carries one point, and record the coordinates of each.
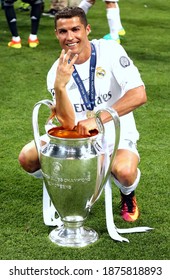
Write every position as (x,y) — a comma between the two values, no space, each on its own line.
(108,78)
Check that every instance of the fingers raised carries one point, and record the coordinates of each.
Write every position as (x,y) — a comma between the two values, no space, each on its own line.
(65,58)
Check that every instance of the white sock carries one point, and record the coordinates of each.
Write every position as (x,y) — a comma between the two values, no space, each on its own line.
(118,17)
(113,17)
(33,37)
(16,39)
(128,190)
(85,5)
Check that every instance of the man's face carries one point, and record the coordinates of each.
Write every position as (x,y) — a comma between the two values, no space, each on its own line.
(72,34)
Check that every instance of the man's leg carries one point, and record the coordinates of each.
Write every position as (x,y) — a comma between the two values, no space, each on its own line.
(127,176)
(36,10)
(114,21)
(28,159)
(113,18)
(86,5)
(12,23)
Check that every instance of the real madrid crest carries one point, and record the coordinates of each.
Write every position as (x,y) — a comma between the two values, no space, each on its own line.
(100,72)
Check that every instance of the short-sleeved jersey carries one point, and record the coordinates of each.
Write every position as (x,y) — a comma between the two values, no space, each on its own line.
(115,74)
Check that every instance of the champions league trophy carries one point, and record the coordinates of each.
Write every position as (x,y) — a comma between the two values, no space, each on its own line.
(74,172)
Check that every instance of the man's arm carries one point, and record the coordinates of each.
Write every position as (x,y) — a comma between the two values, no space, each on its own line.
(129,102)
(132,99)
(64,109)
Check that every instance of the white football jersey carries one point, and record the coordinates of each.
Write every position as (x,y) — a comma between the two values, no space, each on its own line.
(115,74)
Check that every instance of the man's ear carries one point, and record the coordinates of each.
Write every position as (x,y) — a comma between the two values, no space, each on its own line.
(88,29)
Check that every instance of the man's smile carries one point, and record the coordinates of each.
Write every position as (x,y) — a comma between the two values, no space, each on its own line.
(72,44)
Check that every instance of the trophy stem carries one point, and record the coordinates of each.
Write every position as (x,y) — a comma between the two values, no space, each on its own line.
(73,235)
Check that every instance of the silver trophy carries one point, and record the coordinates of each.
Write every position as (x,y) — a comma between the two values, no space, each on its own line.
(74,172)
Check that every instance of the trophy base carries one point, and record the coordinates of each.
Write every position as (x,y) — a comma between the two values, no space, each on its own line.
(73,237)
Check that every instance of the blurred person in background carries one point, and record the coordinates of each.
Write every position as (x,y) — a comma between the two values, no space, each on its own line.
(35,15)
(113,18)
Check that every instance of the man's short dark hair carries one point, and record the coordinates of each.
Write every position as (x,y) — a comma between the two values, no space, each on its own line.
(70,12)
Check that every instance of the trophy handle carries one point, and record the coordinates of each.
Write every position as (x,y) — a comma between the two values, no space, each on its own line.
(116,122)
(35,125)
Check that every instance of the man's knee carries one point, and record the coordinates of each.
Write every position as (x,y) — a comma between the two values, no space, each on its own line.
(126,189)
(126,176)
(28,158)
